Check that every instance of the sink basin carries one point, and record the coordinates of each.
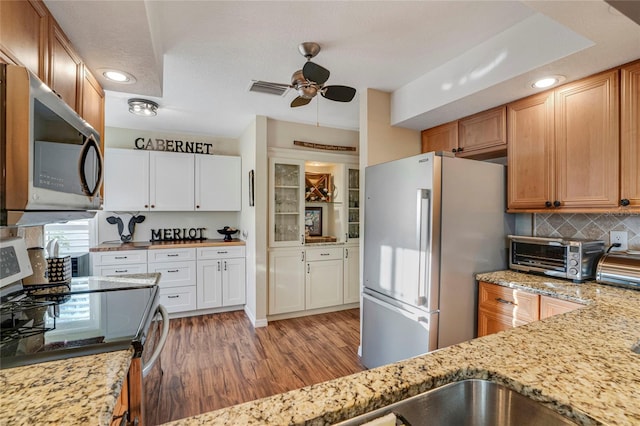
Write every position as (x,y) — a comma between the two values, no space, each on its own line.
(468,402)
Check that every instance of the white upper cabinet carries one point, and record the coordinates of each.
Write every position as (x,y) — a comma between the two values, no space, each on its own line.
(171,186)
(218,183)
(126,175)
(137,180)
(286,204)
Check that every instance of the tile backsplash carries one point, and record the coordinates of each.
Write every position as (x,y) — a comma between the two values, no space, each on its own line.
(591,226)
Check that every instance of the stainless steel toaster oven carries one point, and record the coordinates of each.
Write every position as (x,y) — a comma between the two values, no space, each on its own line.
(574,259)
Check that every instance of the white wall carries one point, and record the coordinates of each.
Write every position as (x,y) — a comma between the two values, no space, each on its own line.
(379,141)
(281,134)
(117,137)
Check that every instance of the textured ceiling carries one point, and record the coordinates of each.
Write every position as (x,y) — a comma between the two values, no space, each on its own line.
(197,59)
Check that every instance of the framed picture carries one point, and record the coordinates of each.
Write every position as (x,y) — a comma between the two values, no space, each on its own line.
(251,201)
(313,221)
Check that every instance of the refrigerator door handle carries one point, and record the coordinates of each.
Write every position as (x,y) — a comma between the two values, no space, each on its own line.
(407,314)
(423,221)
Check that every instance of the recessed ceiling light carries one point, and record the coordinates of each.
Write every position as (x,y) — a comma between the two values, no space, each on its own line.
(543,83)
(143,107)
(117,76)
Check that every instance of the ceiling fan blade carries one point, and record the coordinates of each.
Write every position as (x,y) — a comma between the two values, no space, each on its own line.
(339,93)
(299,101)
(316,73)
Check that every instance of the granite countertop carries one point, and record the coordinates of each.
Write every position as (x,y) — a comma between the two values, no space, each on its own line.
(81,390)
(579,364)
(150,245)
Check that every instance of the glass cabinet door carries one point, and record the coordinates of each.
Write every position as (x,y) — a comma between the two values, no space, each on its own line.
(286,203)
(353,209)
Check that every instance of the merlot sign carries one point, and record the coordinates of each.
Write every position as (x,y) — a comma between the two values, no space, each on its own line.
(173,145)
(177,234)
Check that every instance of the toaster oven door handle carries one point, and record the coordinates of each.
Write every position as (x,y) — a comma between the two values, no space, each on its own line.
(538,240)
(163,339)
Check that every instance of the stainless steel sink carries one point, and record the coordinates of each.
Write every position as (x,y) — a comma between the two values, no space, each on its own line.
(468,402)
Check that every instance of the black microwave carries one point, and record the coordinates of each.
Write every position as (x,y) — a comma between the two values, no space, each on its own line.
(574,259)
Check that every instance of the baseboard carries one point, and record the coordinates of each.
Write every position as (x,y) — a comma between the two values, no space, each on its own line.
(256,323)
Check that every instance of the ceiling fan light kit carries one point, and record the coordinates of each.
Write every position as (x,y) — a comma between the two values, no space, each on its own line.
(309,81)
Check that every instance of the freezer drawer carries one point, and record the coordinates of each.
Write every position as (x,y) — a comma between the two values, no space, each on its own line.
(392,332)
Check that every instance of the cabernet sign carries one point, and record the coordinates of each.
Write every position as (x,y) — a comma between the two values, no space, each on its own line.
(173,145)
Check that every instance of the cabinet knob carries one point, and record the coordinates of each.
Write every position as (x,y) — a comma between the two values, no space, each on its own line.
(153,206)
(454,150)
(547,204)
(197,207)
(624,202)
(146,206)
(460,149)
(557,203)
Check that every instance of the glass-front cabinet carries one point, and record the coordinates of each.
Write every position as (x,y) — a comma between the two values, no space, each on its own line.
(286,202)
(353,206)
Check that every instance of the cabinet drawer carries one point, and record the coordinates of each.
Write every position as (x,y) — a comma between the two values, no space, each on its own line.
(171,255)
(105,271)
(175,274)
(516,304)
(178,299)
(119,257)
(220,252)
(328,253)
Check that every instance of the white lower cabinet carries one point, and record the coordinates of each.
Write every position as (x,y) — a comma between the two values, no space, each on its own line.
(324,278)
(286,281)
(221,276)
(351,274)
(177,268)
(109,263)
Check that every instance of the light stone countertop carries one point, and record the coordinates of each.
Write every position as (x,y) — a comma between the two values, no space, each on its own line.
(579,364)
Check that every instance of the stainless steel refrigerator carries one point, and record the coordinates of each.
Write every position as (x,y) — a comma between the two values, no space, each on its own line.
(431,222)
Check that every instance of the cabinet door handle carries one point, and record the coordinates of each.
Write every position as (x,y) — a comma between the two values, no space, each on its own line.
(302,256)
(325,254)
(173,255)
(120,257)
(222,252)
(308,268)
(218,265)
(557,203)
(547,204)
(225,265)
(624,202)
(506,302)
(174,270)
(173,297)
(301,238)
(346,236)
(346,253)
(121,271)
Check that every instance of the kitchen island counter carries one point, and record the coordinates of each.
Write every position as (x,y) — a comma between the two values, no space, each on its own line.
(579,364)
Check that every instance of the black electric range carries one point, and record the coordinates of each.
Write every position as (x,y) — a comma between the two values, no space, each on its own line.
(87,316)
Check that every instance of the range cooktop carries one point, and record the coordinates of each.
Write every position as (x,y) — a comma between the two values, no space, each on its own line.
(90,315)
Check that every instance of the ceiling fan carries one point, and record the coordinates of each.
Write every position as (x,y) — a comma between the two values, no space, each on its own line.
(309,81)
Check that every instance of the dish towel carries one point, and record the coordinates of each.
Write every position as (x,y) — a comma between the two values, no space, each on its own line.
(388,420)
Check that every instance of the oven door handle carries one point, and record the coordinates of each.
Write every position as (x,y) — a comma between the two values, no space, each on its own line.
(163,339)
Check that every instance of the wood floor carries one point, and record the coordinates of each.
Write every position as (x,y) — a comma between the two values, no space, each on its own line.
(214,361)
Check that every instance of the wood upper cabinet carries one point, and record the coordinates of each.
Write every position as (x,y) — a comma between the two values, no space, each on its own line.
(479,136)
(65,67)
(483,132)
(441,138)
(530,152)
(587,142)
(24,34)
(564,148)
(630,135)
(92,103)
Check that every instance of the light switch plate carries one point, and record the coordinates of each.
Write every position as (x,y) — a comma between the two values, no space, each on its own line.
(619,237)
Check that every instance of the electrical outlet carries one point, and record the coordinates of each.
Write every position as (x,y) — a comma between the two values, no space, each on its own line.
(619,237)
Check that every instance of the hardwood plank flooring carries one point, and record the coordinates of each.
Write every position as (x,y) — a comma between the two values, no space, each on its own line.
(215,361)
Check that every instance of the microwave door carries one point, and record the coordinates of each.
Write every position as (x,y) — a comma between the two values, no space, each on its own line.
(90,166)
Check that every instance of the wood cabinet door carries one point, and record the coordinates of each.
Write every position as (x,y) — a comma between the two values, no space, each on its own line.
(92,103)
(23,35)
(492,322)
(286,281)
(530,152)
(65,67)
(630,135)
(171,181)
(441,138)
(482,132)
(550,306)
(126,180)
(587,142)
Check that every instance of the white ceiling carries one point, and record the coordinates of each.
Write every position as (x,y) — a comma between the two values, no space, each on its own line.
(440,60)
